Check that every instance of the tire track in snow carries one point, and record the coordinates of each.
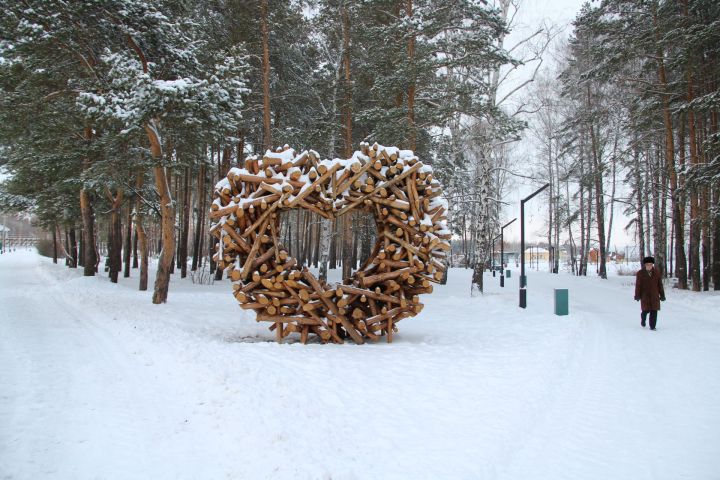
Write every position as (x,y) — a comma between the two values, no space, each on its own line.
(611,405)
(73,403)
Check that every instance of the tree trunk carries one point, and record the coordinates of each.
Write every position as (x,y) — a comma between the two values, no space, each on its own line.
(81,250)
(681,268)
(705,243)
(211,251)
(67,247)
(694,237)
(88,219)
(54,234)
(716,240)
(347,245)
(135,249)
(332,254)
(128,244)
(264,29)
(115,243)
(200,215)
(183,254)
(657,211)
(141,235)
(599,194)
(640,189)
(412,135)
(716,216)
(202,218)
(73,248)
(669,147)
(612,191)
(649,225)
(298,253)
(573,252)
(588,226)
(347,107)
(584,222)
(355,241)
(167,217)
(551,206)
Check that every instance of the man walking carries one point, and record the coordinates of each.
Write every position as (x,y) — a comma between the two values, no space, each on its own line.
(649,291)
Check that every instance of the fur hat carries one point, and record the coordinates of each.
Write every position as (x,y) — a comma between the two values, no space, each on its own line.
(649,260)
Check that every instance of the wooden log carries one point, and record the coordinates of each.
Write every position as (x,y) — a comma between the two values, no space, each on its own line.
(332,333)
(256,179)
(251,256)
(288,319)
(384,316)
(370,294)
(310,189)
(224,211)
(373,279)
(337,316)
(239,241)
(392,203)
(357,174)
(386,184)
(263,218)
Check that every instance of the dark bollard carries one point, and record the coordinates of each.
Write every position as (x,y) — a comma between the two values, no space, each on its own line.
(523,298)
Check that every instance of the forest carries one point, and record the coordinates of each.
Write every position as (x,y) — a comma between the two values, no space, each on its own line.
(118,118)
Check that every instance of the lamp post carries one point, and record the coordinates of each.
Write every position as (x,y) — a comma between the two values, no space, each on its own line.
(502,253)
(523,282)
(493,254)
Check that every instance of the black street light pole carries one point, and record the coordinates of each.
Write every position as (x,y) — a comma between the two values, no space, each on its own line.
(523,280)
(493,254)
(502,253)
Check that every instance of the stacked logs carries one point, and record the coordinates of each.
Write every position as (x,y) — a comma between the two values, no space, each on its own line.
(408,256)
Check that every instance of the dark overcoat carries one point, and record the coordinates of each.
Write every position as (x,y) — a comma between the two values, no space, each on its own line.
(649,289)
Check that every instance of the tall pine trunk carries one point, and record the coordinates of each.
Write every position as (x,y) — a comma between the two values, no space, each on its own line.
(128,244)
(55,241)
(265,71)
(73,248)
(183,252)
(669,153)
(115,227)
(167,217)
(599,194)
(200,215)
(347,150)
(412,135)
(716,239)
(694,240)
(88,220)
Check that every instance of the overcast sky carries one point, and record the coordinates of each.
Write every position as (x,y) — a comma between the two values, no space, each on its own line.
(531,15)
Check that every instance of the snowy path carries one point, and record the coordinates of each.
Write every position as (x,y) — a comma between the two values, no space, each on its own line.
(95,382)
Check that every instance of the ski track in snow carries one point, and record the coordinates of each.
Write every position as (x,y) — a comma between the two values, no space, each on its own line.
(96,382)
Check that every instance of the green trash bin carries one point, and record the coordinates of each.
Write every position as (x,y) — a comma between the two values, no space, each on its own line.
(507,273)
(562,298)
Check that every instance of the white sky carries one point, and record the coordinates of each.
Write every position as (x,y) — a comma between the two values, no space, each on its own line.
(531,15)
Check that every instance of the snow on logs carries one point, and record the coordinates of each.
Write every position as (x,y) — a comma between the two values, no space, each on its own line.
(408,256)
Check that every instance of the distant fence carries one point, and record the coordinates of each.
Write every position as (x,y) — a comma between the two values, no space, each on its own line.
(15,241)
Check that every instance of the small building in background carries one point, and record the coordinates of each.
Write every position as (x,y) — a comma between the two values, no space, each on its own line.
(537,254)
(616,257)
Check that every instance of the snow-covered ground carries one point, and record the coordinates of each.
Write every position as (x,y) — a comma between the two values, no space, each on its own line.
(96,382)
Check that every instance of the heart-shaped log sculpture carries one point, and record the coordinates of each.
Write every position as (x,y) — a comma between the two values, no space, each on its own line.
(412,241)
